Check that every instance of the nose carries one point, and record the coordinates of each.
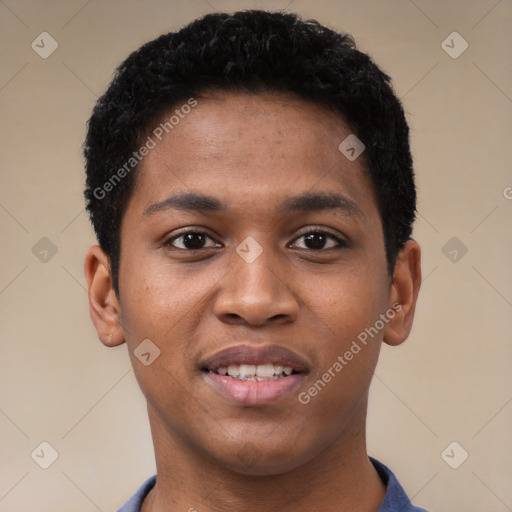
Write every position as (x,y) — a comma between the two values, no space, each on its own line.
(255,293)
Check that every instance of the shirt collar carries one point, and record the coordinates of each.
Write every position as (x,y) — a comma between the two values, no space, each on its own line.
(396,499)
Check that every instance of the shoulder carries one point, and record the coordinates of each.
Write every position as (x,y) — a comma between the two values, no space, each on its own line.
(396,500)
(135,502)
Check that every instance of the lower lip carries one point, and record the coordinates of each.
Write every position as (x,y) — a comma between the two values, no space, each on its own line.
(252,393)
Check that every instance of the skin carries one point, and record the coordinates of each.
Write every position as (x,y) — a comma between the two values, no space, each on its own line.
(252,152)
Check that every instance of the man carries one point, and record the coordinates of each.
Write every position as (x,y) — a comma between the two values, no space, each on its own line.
(250,182)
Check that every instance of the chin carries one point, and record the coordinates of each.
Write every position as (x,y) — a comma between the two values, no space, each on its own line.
(260,461)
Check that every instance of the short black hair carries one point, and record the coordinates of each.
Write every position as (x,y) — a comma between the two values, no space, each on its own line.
(253,51)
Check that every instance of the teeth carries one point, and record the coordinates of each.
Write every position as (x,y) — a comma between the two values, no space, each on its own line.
(260,372)
(265,370)
(247,370)
(233,370)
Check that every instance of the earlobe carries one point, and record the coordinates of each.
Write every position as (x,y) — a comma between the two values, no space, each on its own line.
(103,304)
(403,293)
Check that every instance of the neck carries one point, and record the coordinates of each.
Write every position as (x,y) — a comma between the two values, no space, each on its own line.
(339,478)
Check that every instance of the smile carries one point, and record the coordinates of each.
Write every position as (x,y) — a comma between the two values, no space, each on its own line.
(246,375)
(260,372)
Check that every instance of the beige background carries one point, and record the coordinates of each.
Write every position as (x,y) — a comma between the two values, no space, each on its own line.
(451,381)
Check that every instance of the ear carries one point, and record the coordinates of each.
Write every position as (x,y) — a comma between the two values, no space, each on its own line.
(403,293)
(103,304)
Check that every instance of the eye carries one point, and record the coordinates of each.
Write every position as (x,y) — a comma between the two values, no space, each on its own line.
(317,239)
(191,240)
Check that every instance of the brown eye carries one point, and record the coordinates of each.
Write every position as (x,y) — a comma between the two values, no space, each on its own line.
(318,240)
(315,240)
(191,240)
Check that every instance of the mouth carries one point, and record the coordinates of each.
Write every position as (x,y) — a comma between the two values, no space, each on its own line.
(250,376)
(255,373)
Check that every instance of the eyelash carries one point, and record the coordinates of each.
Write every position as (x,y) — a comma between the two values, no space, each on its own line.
(340,243)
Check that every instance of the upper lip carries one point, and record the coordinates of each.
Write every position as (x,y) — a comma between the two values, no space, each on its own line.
(249,354)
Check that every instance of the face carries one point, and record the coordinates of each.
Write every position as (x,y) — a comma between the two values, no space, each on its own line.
(253,259)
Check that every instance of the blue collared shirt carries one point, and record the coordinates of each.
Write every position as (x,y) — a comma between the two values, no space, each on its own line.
(395,500)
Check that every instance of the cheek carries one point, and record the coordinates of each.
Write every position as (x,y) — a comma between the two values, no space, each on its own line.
(157,295)
(345,363)
(166,307)
(346,308)
(160,307)
(345,301)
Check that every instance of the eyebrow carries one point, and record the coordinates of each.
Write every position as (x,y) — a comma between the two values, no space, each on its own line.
(308,202)
(314,202)
(190,201)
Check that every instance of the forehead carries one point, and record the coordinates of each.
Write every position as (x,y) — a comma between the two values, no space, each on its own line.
(255,146)
(224,121)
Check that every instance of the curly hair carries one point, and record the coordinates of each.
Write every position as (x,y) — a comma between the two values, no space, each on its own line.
(253,51)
